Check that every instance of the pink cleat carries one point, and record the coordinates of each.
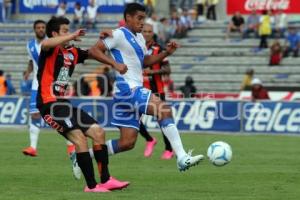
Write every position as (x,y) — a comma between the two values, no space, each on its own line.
(150,147)
(96,189)
(114,184)
(167,155)
(30,151)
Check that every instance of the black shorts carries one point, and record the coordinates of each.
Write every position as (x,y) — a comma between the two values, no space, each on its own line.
(63,117)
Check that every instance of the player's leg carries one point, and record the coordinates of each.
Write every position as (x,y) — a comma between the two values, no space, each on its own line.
(168,152)
(61,117)
(72,155)
(84,160)
(126,119)
(34,126)
(92,130)
(126,142)
(150,141)
(163,111)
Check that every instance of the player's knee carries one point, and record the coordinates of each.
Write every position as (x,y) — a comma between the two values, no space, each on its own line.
(79,140)
(127,144)
(165,111)
(97,133)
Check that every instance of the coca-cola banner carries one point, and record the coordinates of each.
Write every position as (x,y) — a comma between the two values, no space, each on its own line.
(245,6)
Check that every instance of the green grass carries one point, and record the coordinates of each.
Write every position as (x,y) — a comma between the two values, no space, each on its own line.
(263,168)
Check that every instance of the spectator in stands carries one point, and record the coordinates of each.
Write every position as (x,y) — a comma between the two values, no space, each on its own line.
(211,9)
(91,80)
(173,5)
(104,82)
(25,85)
(91,14)
(265,28)
(150,6)
(252,24)
(247,79)
(186,20)
(10,87)
(153,20)
(236,24)
(62,9)
(200,10)
(164,30)
(292,42)
(188,90)
(177,29)
(81,87)
(275,53)
(3,85)
(78,15)
(258,91)
(7,9)
(187,4)
(281,22)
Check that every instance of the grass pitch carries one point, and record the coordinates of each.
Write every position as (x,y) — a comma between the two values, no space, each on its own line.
(263,168)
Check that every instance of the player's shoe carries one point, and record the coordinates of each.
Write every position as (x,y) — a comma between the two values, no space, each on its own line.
(150,147)
(96,189)
(75,168)
(30,151)
(114,184)
(167,155)
(188,161)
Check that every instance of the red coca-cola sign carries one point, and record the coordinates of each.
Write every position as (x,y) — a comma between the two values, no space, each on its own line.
(245,6)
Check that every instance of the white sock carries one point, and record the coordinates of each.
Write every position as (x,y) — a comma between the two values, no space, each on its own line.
(68,142)
(110,148)
(171,132)
(34,135)
(91,151)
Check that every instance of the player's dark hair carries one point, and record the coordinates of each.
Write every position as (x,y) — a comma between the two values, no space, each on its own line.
(132,8)
(54,25)
(1,72)
(39,21)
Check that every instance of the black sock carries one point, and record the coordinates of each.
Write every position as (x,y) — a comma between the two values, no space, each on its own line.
(86,165)
(101,156)
(167,144)
(145,133)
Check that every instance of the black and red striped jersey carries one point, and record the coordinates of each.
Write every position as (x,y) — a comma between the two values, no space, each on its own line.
(55,69)
(154,82)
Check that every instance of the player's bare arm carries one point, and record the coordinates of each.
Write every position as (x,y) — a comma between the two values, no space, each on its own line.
(152,59)
(97,52)
(59,40)
(28,70)
(165,69)
(106,33)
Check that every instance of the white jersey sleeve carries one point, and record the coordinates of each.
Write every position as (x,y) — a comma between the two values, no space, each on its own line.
(115,40)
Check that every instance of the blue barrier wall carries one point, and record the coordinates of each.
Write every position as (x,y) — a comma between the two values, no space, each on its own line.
(271,117)
(207,115)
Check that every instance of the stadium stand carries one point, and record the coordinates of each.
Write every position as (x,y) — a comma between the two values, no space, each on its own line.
(216,64)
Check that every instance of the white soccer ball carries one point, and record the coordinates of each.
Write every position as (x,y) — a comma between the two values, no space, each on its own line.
(219,153)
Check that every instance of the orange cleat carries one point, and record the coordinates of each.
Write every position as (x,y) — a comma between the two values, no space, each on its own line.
(29,151)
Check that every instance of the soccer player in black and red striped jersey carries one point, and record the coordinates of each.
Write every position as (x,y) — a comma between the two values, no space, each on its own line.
(56,64)
(153,81)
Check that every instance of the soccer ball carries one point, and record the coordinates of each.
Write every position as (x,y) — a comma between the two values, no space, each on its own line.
(219,153)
